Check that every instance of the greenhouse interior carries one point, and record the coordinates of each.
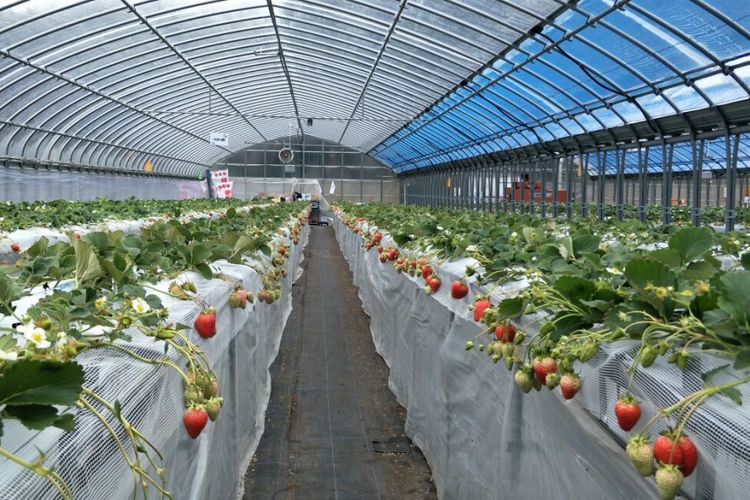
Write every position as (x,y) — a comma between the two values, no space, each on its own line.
(374,249)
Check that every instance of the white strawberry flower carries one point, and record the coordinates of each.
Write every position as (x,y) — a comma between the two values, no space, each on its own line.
(62,340)
(614,270)
(8,355)
(140,306)
(95,331)
(101,302)
(35,335)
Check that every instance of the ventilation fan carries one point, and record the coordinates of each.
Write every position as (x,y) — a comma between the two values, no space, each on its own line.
(286,155)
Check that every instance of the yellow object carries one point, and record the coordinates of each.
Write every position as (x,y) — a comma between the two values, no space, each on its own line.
(450,181)
(149,166)
(580,172)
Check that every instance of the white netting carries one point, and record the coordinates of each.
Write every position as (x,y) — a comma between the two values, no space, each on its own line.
(208,467)
(484,439)
(29,184)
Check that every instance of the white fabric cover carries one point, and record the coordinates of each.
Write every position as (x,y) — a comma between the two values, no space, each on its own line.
(484,439)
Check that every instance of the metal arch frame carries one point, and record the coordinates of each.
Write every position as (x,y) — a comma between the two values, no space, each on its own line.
(68,81)
(174,49)
(508,132)
(383,146)
(547,48)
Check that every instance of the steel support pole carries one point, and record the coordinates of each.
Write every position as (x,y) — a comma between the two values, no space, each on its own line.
(730,204)
(697,174)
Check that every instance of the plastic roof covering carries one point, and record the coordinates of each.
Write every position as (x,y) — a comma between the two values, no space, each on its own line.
(714,157)
(643,59)
(117,82)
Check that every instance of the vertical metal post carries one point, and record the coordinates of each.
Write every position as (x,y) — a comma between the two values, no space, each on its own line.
(730,204)
(620,181)
(697,174)
(504,186)
(584,184)
(513,183)
(555,185)
(543,165)
(569,187)
(642,195)
(601,159)
(666,153)
(361,176)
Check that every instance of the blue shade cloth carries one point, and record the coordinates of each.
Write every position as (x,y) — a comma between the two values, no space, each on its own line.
(593,67)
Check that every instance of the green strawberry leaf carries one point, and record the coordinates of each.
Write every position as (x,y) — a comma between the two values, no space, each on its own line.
(641,272)
(732,393)
(38,417)
(29,381)
(510,308)
(87,263)
(735,296)
(707,376)
(692,242)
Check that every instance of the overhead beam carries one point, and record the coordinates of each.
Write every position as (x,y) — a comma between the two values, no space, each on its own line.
(284,66)
(190,65)
(383,46)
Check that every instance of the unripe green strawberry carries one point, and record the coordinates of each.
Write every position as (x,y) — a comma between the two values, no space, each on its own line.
(508,362)
(213,406)
(641,454)
(469,345)
(519,338)
(523,380)
(648,356)
(508,350)
(235,302)
(587,351)
(537,385)
(192,394)
(495,358)
(552,380)
(668,481)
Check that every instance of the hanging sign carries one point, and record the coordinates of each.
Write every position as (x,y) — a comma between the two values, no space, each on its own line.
(220,176)
(149,167)
(224,190)
(220,139)
(332,189)
(450,182)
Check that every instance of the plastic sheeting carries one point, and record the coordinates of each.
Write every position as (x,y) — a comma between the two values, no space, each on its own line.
(208,467)
(28,184)
(484,439)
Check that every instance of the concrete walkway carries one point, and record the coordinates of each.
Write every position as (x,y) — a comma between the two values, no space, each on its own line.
(333,429)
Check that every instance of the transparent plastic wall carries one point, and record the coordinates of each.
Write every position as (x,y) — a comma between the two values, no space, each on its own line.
(28,184)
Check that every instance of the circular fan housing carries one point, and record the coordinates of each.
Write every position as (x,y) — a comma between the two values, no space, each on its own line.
(286,155)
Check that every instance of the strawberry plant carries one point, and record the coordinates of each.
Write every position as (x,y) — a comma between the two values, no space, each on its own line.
(108,277)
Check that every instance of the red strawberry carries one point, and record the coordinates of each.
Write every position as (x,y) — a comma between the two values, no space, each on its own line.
(383,258)
(392,254)
(570,384)
(15,247)
(426,272)
(434,283)
(459,289)
(282,251)
(627,411)
(667,451)
(543,367)
(195,419)
(480,306)
(377,237)
(506,333)
(369,246)
(689,455)
(205,323)
(380,248)
(77,235)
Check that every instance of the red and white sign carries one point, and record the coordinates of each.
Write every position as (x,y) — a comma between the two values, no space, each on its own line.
(220,176)
(224,189)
